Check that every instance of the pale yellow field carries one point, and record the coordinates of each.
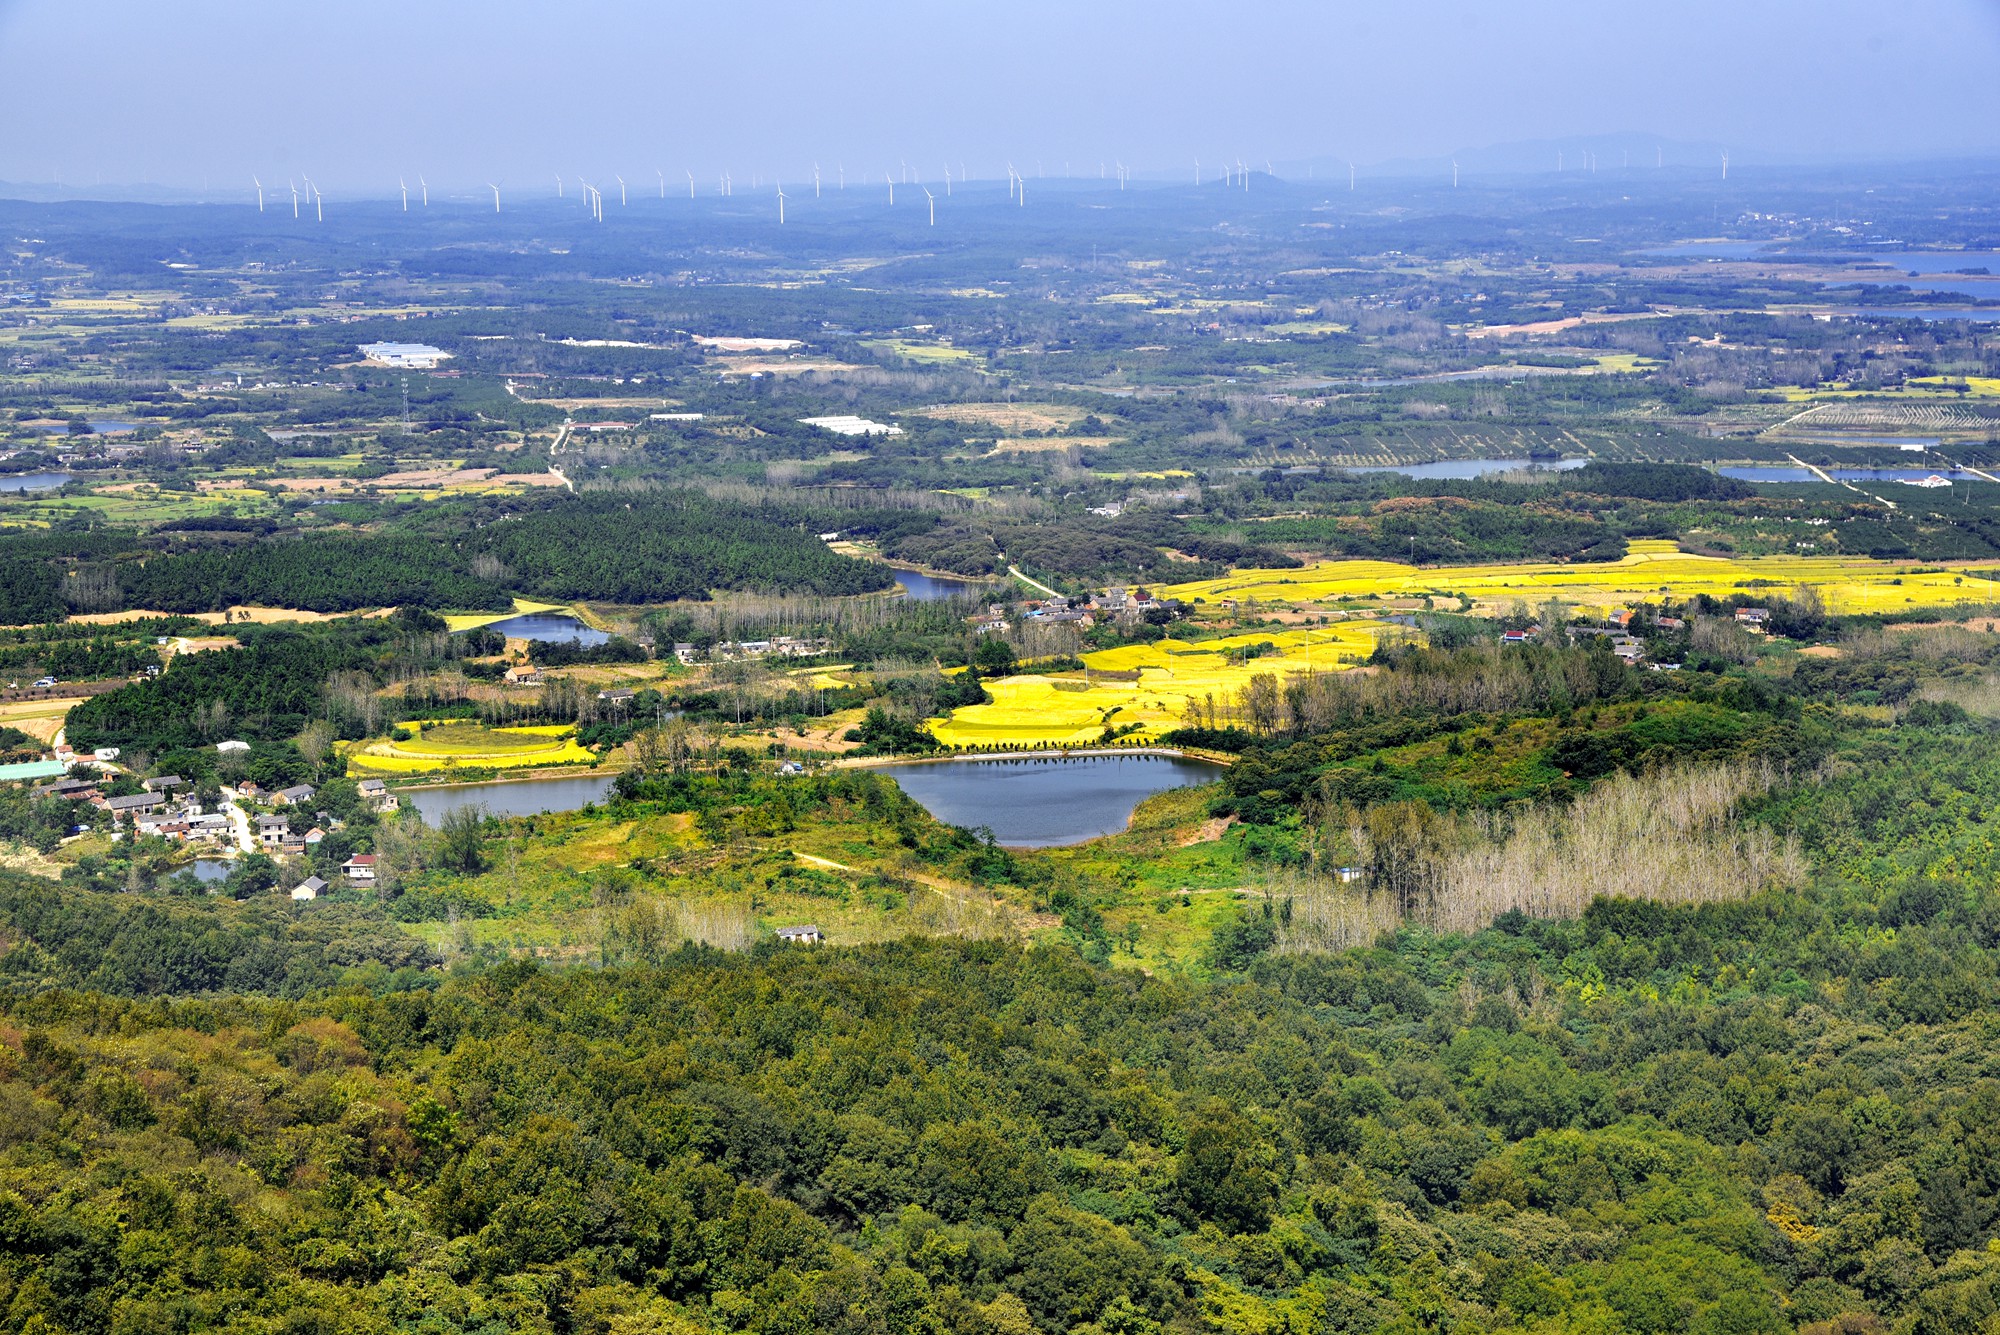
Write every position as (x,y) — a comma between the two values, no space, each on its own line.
(1074,708)
(1652,571)
(458,621)
(40,719)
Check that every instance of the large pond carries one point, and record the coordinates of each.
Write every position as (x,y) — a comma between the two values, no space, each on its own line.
(524,797)
(33,481)
(553,627)
(97,428)
(1044,803)
(210,870)
(1467,468)
(933,588)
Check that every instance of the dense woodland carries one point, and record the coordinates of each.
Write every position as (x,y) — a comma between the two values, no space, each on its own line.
(1492,989)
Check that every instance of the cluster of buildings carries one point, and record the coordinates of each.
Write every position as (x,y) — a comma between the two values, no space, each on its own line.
(783,646)
(168,808)
(1113,604)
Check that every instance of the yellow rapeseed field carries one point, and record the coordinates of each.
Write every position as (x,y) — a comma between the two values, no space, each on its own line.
(472,746)
(1653,571)
(1074,708)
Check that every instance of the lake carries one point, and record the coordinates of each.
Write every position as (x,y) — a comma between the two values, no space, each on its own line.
(1042,803)
(550,627)
(525,797)
(934,588)
(1470,468)
(210,870)
(33,481)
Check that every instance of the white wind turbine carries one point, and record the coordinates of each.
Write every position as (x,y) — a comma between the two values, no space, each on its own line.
(781,203)
(319,205)
(425,186)
(690,175)
(1725,164)
(496,195)
(1350,178)
(621,189)
(947,180)
(663,181)
(1454,173)
(260,193)
(932,200)
(559,186)
(1197,171)
(815,180)
(295,197)
(404,187)
(892,188)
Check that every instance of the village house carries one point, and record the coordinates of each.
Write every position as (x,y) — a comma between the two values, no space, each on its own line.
(524,674)
(1753,617)
(807,935)
(121,807)
(232,747)
(312,887)
(360,867)
(377,795)
(272,830)
(621,695)
(165,783)
(295,796)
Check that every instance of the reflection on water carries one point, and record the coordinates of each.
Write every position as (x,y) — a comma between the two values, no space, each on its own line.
(550,627)
(526,797)
(1044,803)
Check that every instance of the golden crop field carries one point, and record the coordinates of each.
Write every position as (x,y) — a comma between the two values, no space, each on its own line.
(1074,708)
(472,746)
(1654,570)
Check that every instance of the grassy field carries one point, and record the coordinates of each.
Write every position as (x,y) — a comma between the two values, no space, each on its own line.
(919,352)
(1074,708)
(448,746)
(1654,570)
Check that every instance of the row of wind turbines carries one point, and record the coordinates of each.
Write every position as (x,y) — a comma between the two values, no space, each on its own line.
(1235,175)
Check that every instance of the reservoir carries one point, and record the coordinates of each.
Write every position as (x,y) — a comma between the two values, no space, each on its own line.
(1470,468)
(934,588)
(550,627)
(526,797)
(1045,803)
(33,481)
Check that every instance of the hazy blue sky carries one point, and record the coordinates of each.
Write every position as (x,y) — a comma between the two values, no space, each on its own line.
(356,91)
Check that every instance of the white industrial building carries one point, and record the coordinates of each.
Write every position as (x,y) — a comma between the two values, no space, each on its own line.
(404,356)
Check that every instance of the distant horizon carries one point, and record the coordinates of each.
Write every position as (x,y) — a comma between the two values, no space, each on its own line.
(357,94)
(1682,161)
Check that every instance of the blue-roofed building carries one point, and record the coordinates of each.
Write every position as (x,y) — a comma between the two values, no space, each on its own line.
(34,769)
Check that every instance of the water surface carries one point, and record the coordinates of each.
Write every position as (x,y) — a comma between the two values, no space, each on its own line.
(524,797)
(549,627)
(33,481)
(1045,803)
(933,588)
(1470,468)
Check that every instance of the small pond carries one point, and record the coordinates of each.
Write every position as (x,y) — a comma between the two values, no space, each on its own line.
(1045,803)
(551,627)
(524,797)
(33,481)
